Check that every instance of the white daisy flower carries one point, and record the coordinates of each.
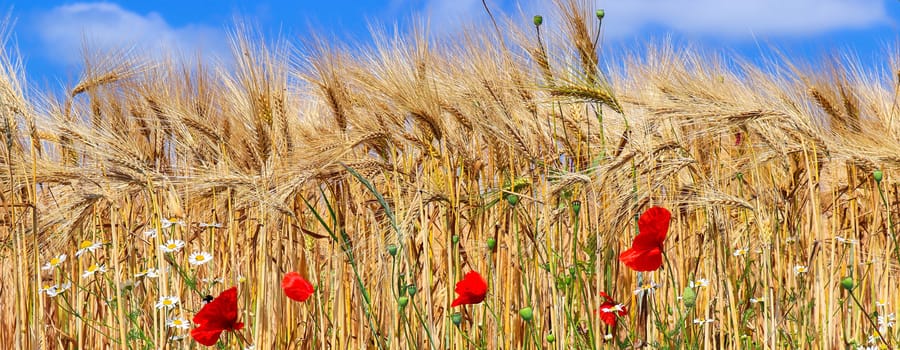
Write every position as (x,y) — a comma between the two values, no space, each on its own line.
(701,321)
(617,308)
(166,223)
(241,279)
(94,268)
(798,269)
(167,302)
(88,247)
(740,251)
(151,233)
(647,287)
(885,322)
(881,303)
(178,322)
(150,272)
(58,289)
(54,262)
(608,336)
(199,258)
(757,300)
(699,283)
(178,337)
(211,224)
(172,245)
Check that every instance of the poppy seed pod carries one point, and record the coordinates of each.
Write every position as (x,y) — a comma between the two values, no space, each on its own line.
(878,175)
(456,317)
(392,249)
(576,207)
(411,289)
(454,239)
(492,244)
(689,297)
(600,14)
(538,20)
(527,314)
(403,301)
(550,338)
(847,283)
(512,199)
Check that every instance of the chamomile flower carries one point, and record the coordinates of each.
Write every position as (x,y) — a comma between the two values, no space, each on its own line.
(843,240)
(886,321)
(740,251)
(172,245)
(150,272)
(57,289)
(646,287)
(800,269)
(211,224)
(703,321)
(166,223)
(881,303)
(199,258)
(88,246)
(54,262)
(616,308)
(699,283)
(178,322)
(241,279)
(151,233)
(168,302)
(608,336)
(759,300)
(94,268)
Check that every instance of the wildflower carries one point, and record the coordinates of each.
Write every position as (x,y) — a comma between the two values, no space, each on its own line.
(798,269)
(699,283)
(178,322)
(701,321)
(58,289)
(740,251)
(646,287)
(886,321)
(199,258)
(167,302)
(241,279)
(178,337)
(527,313)
(54,262)
(87,246)
(881,303)
(166,223)
(608,336)
(217,316)
(94,268)
(151,233)
(296,287)
(610,310)
(471,289)
(845,240)
(150,272)
(211,225)
(646,250)
(172,245)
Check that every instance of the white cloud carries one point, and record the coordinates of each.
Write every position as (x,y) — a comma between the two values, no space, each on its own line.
(107,26)
(740,19)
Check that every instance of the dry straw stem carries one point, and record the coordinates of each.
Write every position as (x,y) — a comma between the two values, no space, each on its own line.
(442,126)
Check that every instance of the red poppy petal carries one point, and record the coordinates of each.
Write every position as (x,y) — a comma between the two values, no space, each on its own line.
(296,287)
(655,223)
(220,313)
(205,335)
(642,260)
(472,289)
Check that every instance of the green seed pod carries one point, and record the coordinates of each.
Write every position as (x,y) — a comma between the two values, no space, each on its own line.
(392,249)
(512,199)
(576,207)
(601,14)
(847,283)
(492,244)
(403,301)
(538,20)
(454,239)
(878,174)
(456,318)
(411,289)
(527,314)
(689,297)
(551,338)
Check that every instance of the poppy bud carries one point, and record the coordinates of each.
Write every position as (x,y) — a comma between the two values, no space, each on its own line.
(392,249)
(689,297)
(847,283)
(878,174)
(538,20)
(601,14)
(403,301)
(551,338)
(454,239)
(527,314)
(456,318)
(492,244)
(512,199)
(576,207)
(740,176)
(411,289)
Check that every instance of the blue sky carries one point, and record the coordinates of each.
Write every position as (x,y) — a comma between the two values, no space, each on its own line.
(49,34)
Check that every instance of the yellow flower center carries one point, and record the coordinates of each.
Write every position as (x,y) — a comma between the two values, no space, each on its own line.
(167,302)
(85,244)
(172,246)
(200,258)
(54,261)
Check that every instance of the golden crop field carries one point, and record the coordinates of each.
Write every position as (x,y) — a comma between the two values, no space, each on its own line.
(473,191)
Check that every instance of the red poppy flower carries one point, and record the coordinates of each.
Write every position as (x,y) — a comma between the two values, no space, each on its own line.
(472,290)
(218,315)
(296,287)
(646,250)
(610,309)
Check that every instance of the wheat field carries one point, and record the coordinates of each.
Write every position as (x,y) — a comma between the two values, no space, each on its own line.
(385,171)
